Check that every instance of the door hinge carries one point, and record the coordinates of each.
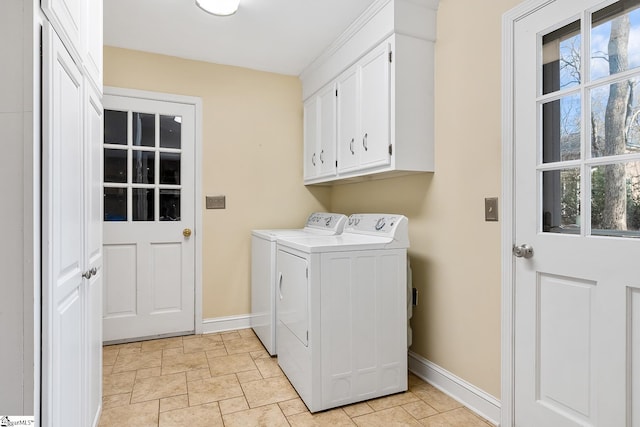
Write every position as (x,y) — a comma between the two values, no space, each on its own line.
(390,56)
(390,149)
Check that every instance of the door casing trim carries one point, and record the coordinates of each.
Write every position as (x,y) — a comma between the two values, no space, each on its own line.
(508,214)
(197,152)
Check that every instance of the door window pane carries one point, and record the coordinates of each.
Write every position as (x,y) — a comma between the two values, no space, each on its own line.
(615,199)
(169,168)
(561,201)
(561,124)
(115,204)
(144,130)
(144,167)
(169,205)
(561,58)
(115,165)
(115,127)
(615,36)
(170,131)
(615,118)
(143,204)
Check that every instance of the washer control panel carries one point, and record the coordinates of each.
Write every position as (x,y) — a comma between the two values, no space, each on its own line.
(375,224)
(327,221)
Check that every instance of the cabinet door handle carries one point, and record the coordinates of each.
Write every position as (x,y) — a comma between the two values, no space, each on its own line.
(280,284)
(351,146)
(322,156)
(87,274)
(313,159)
(364,142)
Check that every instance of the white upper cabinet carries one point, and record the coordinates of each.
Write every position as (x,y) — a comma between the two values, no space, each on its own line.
(363,118)
(382,68)
(78,23)
(320,134)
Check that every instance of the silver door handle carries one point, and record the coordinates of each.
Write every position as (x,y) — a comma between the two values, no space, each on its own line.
(322,156)
(280,284)
(364,142)
(351,147)
(313,159)
(523,251)
(87,274)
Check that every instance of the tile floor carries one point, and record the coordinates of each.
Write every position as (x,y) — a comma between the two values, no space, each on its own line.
(228,379)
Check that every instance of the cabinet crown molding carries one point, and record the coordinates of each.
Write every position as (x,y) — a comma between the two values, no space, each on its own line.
(414,18)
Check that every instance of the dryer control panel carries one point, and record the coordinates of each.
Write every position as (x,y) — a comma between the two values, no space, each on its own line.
(385,225)
(327,221)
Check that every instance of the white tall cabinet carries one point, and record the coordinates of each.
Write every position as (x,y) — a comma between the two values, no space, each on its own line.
(51,311)
(72,119)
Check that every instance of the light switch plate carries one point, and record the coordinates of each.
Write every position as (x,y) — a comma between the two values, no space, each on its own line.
(216,202)
(491,209)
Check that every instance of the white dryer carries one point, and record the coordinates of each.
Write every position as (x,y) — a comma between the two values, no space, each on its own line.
(263,270)
(342,311)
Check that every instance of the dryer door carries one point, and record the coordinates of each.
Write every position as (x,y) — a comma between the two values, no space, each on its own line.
(292,294)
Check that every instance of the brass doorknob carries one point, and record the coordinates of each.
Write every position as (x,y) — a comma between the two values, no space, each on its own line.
(186,232)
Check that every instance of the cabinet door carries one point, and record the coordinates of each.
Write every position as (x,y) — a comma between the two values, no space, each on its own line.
(92,42)
(327,131)
(63,237)
(348,149)
(375,90)
(66,16)
(93,214)
(310,137)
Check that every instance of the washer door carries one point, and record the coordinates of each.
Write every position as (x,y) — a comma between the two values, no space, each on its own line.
(292,290)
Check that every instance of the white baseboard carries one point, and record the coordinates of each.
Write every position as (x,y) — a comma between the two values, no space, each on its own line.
(223,324)
(469,395)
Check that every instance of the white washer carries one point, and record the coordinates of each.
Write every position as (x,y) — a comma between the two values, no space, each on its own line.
(342,311)
(263,270)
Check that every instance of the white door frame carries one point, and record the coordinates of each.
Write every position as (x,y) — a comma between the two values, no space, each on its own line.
(507,415)
(197,235)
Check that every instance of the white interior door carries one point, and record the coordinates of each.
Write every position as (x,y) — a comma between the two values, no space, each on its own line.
(577,205)
(149,183)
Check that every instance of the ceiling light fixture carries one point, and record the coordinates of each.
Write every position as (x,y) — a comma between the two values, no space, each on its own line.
(219,7)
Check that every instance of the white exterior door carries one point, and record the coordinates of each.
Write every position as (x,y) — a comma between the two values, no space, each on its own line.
(577,205)
(149,218)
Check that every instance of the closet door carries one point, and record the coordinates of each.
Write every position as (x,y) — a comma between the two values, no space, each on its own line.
(63,241)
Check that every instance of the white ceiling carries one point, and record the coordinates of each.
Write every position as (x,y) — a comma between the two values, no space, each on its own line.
(281,36)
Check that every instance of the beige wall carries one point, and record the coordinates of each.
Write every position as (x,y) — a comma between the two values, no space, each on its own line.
(252,146)
(252,153)
(455,254)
